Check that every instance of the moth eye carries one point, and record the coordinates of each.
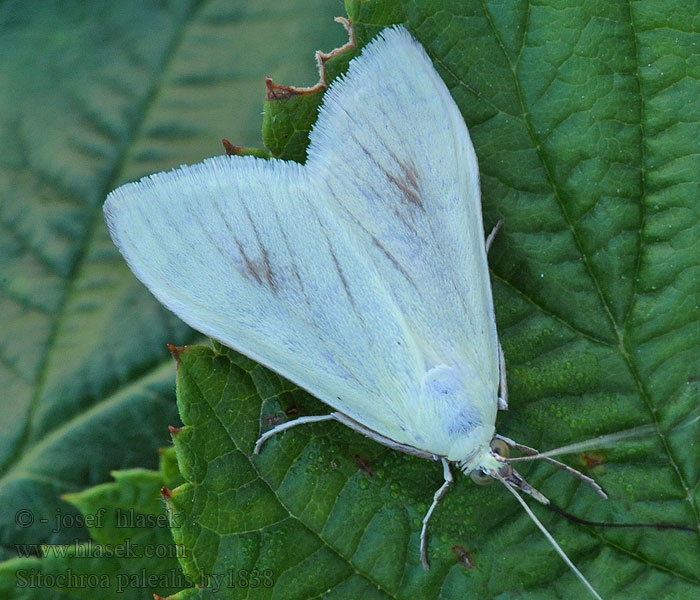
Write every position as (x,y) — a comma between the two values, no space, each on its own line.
(500,447)
(480,478)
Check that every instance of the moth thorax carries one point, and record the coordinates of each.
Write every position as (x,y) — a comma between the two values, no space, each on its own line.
(484,460)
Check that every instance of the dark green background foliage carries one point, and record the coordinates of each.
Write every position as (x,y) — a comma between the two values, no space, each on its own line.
(585,121)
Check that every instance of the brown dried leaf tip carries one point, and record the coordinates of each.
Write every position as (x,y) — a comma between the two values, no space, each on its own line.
(174,430)
(231,150)
(166,494)
(464,557)
(177,351)
(284,92)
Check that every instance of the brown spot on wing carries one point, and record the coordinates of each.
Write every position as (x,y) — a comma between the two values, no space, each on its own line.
(344,281)
(394,262)
(268,268)
(258,270)
(250,266)
(409,184)
(409,191)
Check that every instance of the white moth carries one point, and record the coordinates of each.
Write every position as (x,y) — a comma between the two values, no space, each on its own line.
(361,276)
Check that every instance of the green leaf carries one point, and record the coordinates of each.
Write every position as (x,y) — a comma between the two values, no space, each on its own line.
(130,550)
(584,117)
(92,95)
(585,123)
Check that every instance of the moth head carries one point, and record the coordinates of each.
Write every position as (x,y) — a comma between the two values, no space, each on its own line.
(494,466)
(493,460)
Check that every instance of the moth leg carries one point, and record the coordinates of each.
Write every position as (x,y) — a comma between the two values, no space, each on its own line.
(348,422)
(503,384)
(382,439)
(439,495)
(532,454)
(288,425)
(492,235)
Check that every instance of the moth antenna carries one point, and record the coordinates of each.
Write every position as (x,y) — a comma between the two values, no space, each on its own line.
(602,441)
(516,480)
(548,535)
(611,439)
(533,454)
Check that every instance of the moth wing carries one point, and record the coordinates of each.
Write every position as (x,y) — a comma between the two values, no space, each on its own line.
(238,250)
(400,169)
(360,276)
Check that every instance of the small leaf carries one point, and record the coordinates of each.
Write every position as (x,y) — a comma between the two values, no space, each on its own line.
(130,550)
